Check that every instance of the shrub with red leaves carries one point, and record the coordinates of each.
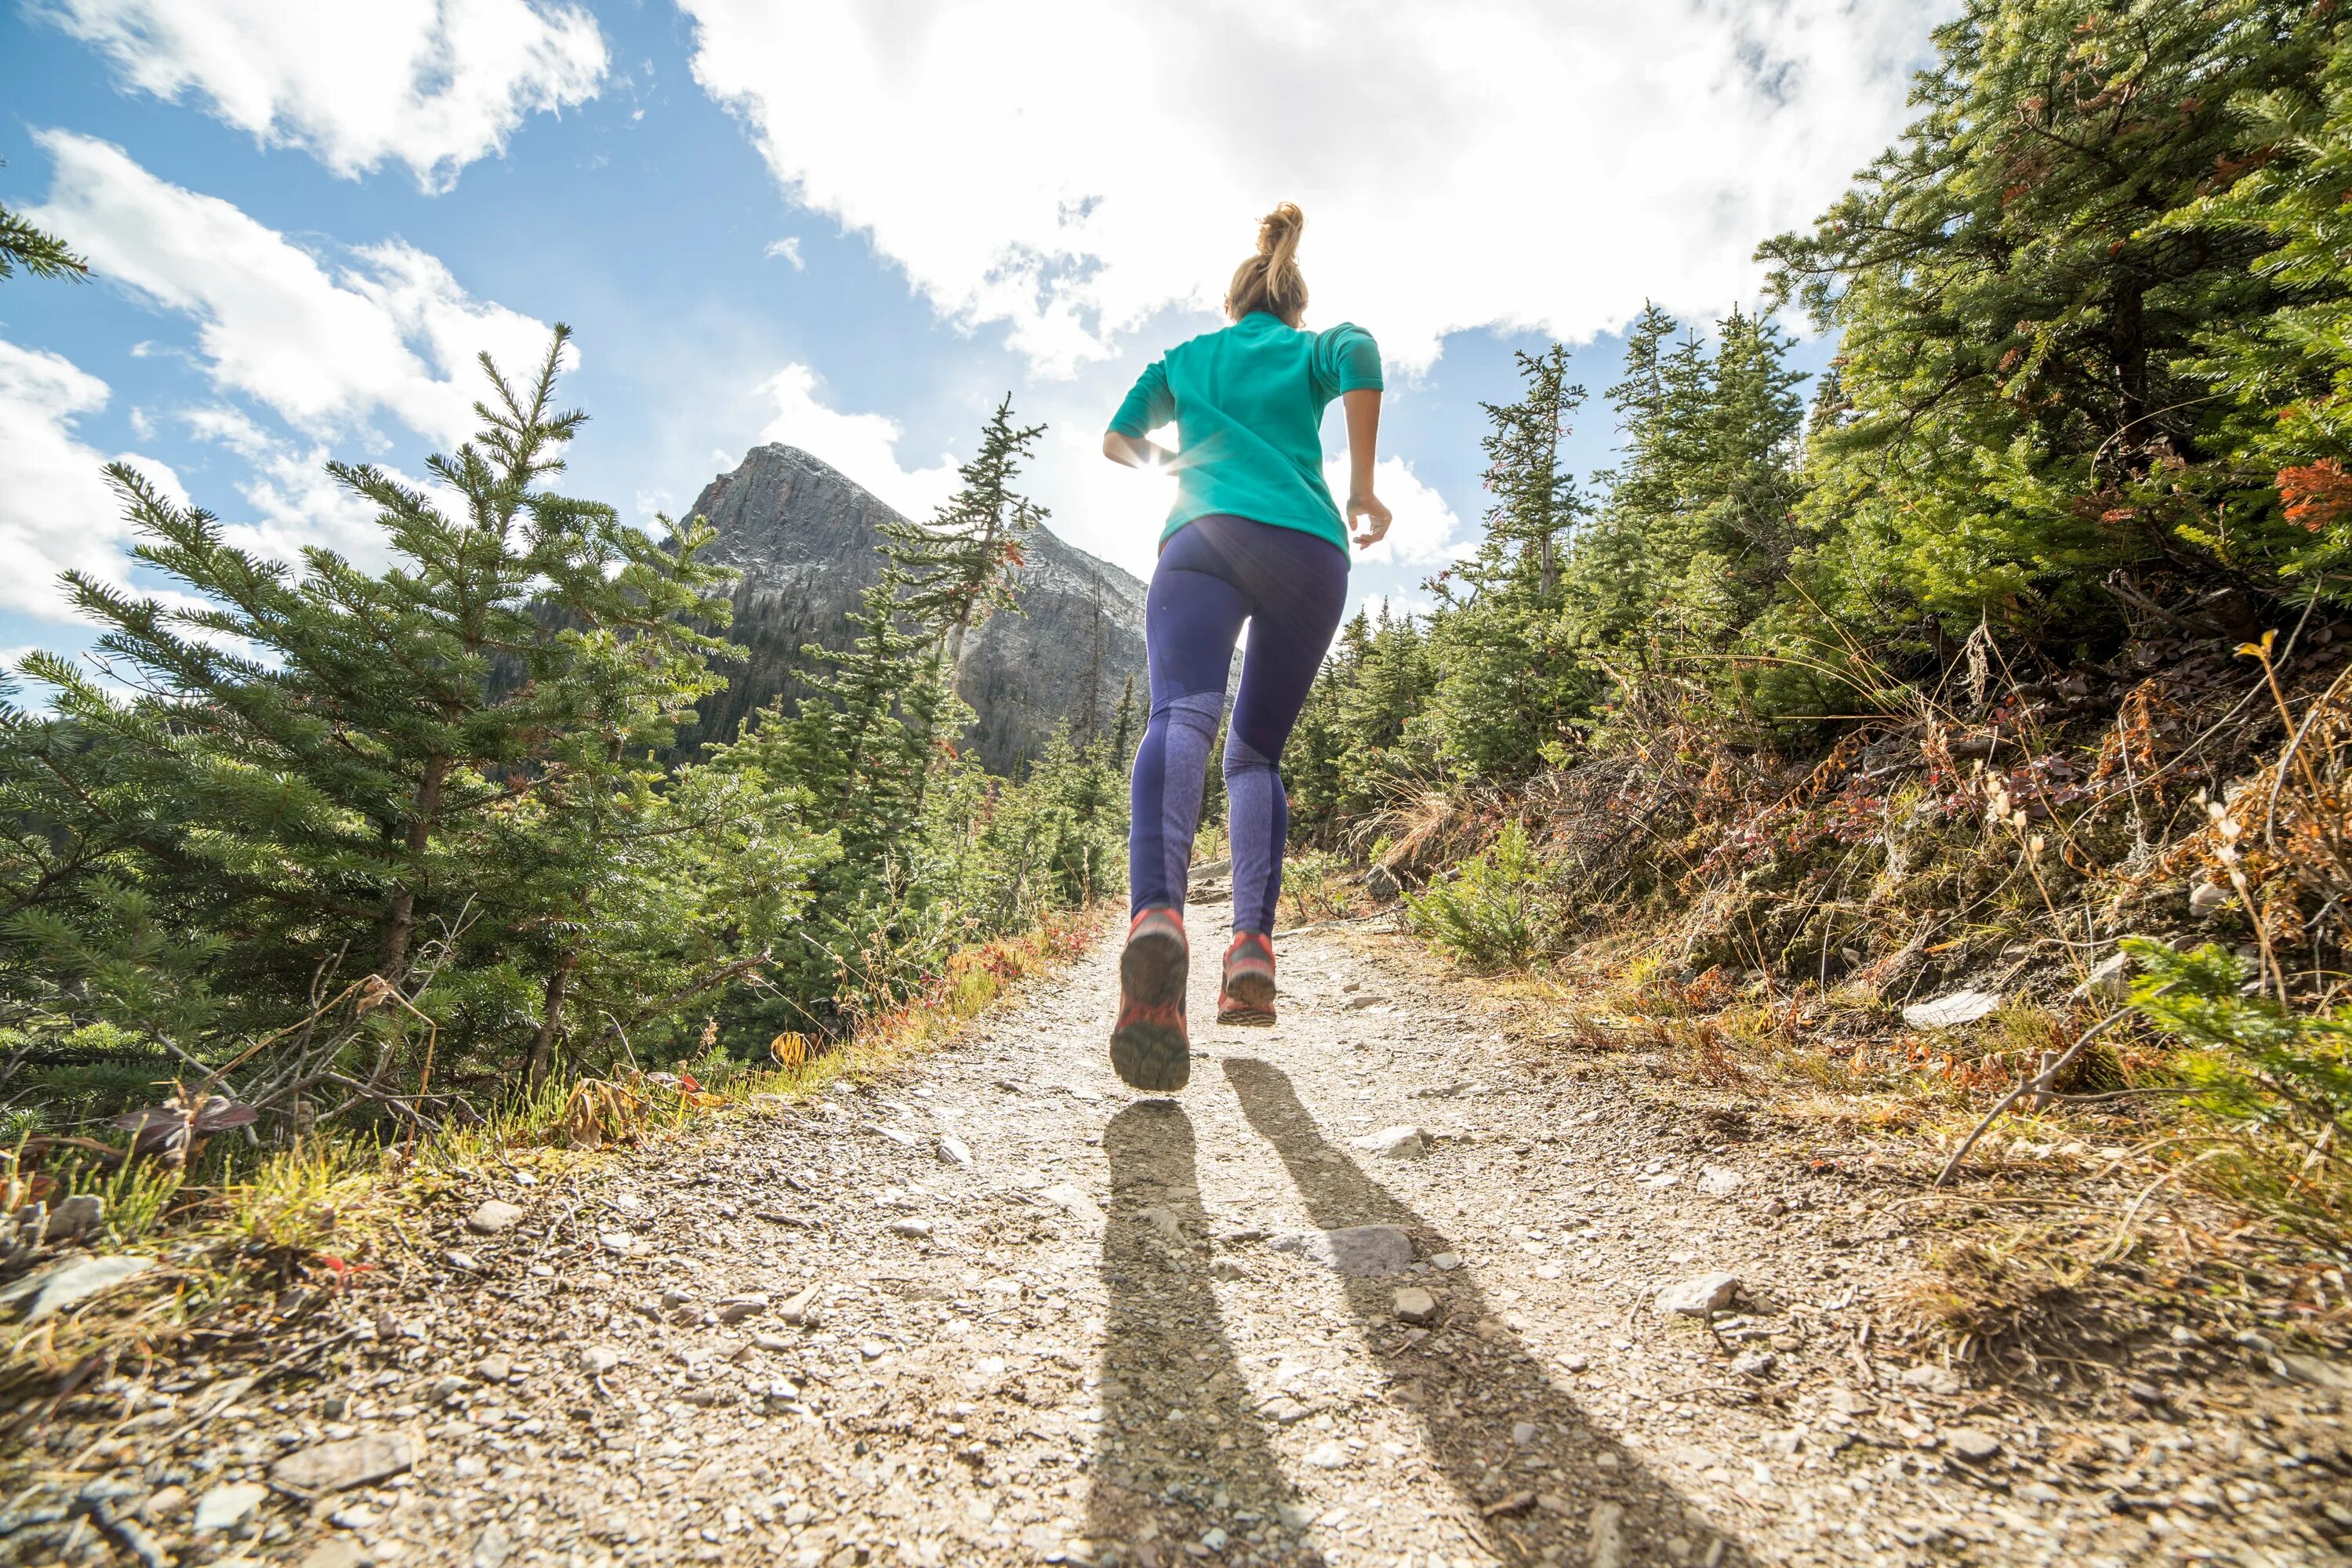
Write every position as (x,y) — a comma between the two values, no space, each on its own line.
(2318,495)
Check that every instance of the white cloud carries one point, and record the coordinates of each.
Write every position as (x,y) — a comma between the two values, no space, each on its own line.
(863,446)
(295,501)
(1537,163)
(329,344)
(434,84)
(56,511)
(388,330)
(788,249)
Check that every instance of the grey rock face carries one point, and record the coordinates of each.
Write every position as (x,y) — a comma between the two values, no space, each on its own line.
(802,534)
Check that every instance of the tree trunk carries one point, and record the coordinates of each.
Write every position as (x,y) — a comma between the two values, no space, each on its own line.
(2130,339)
(551,1023)
(398,922)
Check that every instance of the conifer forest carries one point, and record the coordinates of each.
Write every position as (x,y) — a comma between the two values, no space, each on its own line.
(1969,726)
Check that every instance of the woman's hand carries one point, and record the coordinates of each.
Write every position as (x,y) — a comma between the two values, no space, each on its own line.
(1368,506)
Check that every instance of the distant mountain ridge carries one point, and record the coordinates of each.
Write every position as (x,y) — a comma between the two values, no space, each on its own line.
(803,536)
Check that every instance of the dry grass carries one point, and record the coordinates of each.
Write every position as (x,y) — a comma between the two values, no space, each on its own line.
(1320,885)
(2082,1224)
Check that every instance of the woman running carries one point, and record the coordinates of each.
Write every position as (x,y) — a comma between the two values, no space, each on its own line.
(1255,537)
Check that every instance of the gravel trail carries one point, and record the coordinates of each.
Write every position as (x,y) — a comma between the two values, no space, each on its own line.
(997,1310)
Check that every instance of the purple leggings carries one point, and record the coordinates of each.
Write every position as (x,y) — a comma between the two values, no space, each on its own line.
(1214,573)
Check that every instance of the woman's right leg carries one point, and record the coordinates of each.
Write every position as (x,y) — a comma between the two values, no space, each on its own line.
(1192,617)
(1298,587)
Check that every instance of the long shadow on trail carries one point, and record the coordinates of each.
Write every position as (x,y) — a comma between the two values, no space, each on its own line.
(1497,1428)
(1191,1457)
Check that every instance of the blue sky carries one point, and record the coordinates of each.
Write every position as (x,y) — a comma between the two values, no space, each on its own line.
(853,225)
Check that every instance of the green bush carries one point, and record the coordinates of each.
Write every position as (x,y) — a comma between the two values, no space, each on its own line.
(1486,911)
(2254,1057)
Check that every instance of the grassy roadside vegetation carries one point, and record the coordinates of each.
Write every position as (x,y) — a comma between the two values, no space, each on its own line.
(1865,955)
(324,882)
(1963,740)
(247,1241)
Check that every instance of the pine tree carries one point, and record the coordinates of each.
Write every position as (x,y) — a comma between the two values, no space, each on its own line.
(848,750)
(1125,733)
(1620,559)
(41,253)
(328,767)
(1316,761)
(957,567)
(2287,374)
(2018,314)
(1535,494)
(1508,685)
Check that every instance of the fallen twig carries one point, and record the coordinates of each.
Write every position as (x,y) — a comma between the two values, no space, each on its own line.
(2122,1242)
(2039,1083)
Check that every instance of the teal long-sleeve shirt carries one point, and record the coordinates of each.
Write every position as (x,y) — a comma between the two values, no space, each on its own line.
(1248,403)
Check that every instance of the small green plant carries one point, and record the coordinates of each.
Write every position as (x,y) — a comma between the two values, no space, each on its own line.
(137,1196)
(2256,1058)
(1486,911)
(297,1201)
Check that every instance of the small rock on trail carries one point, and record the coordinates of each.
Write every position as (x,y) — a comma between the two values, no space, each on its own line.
(1968,1443)
(1698,1295)
(1400,1143)
(338,1467)
(493,1218)
(1358,1250)
(227,1507)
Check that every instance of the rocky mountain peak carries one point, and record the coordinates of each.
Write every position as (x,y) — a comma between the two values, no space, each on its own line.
(803,535)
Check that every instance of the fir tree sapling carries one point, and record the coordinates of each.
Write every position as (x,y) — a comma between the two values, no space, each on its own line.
(324,767)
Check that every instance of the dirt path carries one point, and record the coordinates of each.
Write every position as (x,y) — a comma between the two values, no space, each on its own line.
(997,1310)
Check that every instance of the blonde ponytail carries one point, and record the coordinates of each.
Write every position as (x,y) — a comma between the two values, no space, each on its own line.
(1271,280)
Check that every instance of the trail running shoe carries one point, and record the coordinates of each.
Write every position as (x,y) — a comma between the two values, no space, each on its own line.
(1247,995)
(1149,1046)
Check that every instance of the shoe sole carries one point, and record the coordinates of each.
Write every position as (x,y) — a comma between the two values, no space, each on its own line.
(1153,1058)
(1247,999)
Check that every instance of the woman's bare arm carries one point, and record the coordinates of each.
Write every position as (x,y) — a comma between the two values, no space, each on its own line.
(1363,407)
(1135,451)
